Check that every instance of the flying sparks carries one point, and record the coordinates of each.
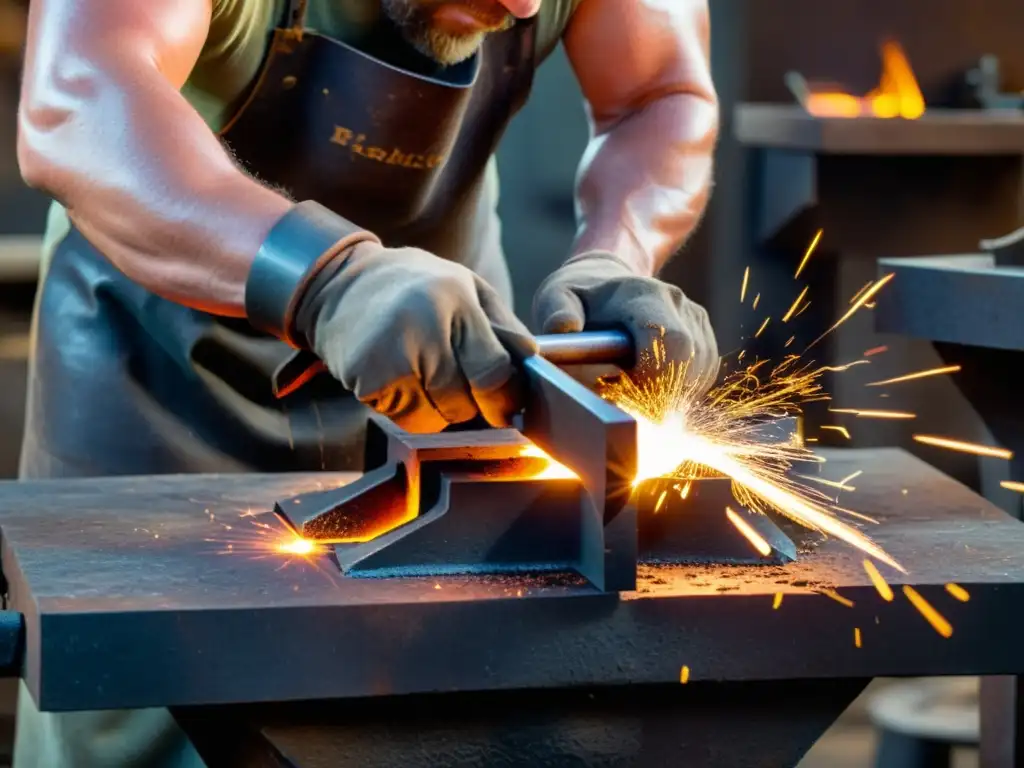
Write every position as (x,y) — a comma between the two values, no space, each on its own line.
(958,592)
(916,375)
(841,430)
(796,303)
(756,540)
(864,298)
(808,253)
(743,289)
(874,414)
(880,583)
(964,447)
(684,435)
(927,610)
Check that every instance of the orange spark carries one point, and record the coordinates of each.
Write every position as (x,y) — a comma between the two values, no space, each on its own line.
(856,636)
(807,254)
(880,583)
(776,601)
(763,326)
(858,515)
(876,351)
(864,299)
(851,476)
(661,500)
(743,288)
(756,300)
(915,376)
(860,291)
(841,430)
(748,532)
(874,414)
(958,592)
(794,305)
(845,366)
(1010,485)
(684,675)
(932,616)
(964,447)
(789,341)
(840,484)
(837,597)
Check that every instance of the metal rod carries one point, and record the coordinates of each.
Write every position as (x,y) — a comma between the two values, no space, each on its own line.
(587,348)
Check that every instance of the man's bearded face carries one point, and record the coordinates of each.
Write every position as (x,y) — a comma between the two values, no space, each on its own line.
(448,31)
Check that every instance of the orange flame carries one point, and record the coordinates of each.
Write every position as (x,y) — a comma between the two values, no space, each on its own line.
(897,94)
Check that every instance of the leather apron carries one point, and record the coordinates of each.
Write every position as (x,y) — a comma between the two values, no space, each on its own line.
(124,382)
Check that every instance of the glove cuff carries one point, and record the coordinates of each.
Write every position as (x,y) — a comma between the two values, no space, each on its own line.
(298,248)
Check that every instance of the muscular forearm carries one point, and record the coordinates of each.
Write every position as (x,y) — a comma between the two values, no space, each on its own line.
(644,69)
(644,184)
(105,132)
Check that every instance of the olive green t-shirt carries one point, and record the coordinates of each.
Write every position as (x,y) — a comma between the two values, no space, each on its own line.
(240,31)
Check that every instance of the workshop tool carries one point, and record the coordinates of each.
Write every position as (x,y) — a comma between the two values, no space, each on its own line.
(472,502)
(986,88)
(1008,250)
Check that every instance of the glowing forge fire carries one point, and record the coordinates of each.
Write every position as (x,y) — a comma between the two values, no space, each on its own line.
(684,435)
(896,96)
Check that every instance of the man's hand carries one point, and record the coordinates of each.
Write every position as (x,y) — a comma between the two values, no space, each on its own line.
(598,290)
(416,338)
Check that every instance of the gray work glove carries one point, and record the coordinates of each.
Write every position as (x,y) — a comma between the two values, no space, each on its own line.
(598,290)
(415,337)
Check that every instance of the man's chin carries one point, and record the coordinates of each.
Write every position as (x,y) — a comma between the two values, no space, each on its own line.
(449,49)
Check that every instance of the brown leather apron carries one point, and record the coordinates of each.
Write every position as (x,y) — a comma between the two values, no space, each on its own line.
(124,382)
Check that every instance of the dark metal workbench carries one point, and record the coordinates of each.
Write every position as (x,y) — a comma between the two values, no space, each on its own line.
(130,600)
(969,306)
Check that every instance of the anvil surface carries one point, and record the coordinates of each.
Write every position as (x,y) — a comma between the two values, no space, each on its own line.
(160,591)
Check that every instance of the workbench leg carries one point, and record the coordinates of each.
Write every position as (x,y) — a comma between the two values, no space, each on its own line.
(1002,718)
(700,725)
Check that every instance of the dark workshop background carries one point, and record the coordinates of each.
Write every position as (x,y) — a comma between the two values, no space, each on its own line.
(754,43)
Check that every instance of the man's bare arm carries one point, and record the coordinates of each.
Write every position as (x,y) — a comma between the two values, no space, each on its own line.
(644,181)
(104,130)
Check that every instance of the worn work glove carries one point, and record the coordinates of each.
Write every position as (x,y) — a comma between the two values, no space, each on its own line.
(415,337)
(598,290)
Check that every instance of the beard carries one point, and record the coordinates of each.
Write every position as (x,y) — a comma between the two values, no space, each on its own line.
(415,20)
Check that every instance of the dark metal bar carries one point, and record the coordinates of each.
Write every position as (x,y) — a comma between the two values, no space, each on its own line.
(588,348)
(584,348)
(598,441)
